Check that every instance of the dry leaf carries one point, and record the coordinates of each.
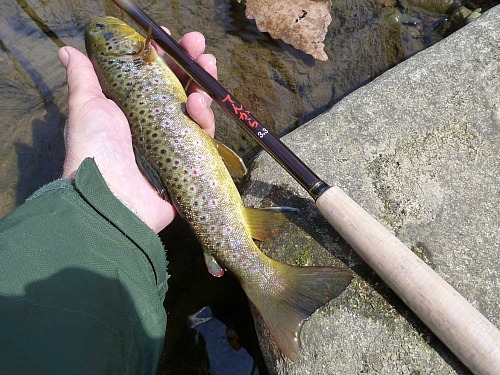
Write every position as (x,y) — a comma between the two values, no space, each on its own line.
(301,23)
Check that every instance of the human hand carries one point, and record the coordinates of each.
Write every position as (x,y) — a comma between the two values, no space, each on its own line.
(97,128)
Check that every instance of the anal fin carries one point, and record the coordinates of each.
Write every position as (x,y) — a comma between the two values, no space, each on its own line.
(266,223)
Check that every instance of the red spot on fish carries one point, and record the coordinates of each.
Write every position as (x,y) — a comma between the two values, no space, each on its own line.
(157,110)
(253,254)
(244,264)
(192,188)
(176,162)
(254,268)
(167,123)
(234,256)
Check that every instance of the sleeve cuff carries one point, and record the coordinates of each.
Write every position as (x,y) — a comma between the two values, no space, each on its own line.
(92,188)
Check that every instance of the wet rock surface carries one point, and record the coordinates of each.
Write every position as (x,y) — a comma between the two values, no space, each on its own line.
(418,149)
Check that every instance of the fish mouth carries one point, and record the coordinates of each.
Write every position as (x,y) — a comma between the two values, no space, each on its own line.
(109,36)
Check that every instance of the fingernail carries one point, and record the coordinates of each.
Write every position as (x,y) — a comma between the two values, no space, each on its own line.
(204,100)
(214,59)
(63,55)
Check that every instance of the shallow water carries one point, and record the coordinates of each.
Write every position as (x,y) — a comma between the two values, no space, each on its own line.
(282,86)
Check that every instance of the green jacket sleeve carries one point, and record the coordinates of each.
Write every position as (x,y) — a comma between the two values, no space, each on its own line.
(82,281)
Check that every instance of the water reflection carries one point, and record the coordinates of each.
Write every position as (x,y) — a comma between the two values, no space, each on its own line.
(225,355)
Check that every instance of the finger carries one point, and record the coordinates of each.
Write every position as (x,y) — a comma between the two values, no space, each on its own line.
(200,112)
(194,45)
(209,63)
(83,84)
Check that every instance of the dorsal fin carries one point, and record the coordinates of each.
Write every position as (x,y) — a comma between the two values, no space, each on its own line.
(233,162)
(151,175)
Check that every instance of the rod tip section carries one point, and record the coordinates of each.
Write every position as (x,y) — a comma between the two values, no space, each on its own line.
(126,5)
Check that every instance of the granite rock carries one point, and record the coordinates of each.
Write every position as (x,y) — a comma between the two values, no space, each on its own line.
(418,148)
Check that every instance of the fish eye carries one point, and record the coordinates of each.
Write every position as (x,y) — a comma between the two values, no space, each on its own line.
(99,25)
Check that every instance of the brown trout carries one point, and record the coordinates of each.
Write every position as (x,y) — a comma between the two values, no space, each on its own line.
(194,169)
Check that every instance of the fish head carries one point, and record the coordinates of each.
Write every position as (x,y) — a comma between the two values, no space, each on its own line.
(111,46)
(111,38)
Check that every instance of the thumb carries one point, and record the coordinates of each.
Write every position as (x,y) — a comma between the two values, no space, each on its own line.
(83,83)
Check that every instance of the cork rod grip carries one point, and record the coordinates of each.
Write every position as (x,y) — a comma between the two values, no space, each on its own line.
(462,328)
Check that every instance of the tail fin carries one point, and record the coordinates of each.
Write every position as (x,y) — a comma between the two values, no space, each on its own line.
(303,290)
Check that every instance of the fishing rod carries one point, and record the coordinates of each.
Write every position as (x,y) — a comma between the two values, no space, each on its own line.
(461,327)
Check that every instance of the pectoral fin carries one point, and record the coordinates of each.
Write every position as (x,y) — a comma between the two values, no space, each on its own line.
(233,162)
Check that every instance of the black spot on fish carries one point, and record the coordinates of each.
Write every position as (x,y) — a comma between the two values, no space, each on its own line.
(163,151)
(154,135)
